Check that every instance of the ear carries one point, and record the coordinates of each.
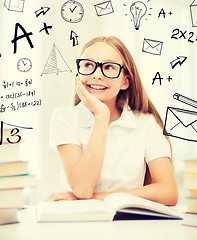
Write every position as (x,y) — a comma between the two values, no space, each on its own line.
(126,82)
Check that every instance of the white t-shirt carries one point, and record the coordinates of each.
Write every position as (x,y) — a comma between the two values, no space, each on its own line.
(132,141)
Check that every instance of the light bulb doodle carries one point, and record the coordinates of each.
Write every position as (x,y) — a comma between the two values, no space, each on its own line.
(138,10)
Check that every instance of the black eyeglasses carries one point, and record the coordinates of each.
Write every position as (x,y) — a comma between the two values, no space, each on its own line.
(108,69)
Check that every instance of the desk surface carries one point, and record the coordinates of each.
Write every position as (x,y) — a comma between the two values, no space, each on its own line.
(29,229)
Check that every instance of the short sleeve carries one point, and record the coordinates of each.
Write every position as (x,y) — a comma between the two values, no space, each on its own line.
(156,143)
(63,128)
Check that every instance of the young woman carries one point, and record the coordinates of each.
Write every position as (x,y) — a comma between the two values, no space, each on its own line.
(112,139)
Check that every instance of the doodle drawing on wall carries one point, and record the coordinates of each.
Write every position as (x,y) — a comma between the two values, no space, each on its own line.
(181,123)
(42,10)
(104,8)
(15,5)
(24,65)
(193,12)
(74,38)
(72,11)
(152,46)
(55,63)
(138,10)
(178,61)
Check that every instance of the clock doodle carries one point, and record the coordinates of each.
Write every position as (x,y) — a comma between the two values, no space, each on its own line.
(72,11)
(24,65)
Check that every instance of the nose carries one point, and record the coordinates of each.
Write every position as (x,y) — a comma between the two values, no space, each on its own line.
(98,73)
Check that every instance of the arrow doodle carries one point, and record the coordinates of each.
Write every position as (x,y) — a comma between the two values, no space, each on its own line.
(179,60)
(42,10)
(74,38)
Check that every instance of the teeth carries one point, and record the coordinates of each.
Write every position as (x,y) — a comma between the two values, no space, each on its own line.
(97,87)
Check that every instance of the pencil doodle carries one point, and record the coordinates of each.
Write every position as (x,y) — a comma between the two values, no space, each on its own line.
(163,13)
(55,63)
(138,11)
(181,123)
(184,35)
(15,5)
(42,10)
(193,13)
(178,61)
(24,35)
(14,134)
(24,65)
(46,28)
(104,8)
(152,46)
(27,82)
(74,38)
(72,11)
(185,100)
(159,78)
(19,94)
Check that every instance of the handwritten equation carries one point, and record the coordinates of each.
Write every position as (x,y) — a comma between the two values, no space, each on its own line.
(14,135)
(17,95)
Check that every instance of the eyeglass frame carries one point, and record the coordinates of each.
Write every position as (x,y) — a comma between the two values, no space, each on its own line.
(100,64)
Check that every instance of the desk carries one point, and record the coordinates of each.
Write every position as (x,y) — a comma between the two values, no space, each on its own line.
(29,229)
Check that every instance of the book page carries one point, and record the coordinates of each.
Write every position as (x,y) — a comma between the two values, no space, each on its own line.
(120,201)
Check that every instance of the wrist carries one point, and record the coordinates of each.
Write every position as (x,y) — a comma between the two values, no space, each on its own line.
(103,118)
(100,195)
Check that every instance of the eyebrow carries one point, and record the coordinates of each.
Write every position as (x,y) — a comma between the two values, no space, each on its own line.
(106,60)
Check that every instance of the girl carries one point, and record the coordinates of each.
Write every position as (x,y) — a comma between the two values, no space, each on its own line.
(112,140)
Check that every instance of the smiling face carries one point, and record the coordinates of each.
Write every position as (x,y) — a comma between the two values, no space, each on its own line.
(103,88)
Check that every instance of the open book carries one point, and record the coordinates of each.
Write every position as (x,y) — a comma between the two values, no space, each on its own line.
(115,206)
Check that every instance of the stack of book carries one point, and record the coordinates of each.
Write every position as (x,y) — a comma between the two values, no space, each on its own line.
(190,184)
(14,176)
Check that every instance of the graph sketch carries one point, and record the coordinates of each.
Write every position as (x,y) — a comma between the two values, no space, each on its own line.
(55,63)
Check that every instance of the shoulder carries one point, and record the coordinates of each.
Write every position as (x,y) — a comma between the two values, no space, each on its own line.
(134,119)
(145,119)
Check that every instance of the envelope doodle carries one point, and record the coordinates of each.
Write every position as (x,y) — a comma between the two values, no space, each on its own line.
(152,46)
(181,123)
(104,8)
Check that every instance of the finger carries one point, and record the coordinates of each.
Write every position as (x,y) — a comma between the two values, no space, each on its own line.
(57,197)
(78,91)
(52,196)
(49,197)
(81,90)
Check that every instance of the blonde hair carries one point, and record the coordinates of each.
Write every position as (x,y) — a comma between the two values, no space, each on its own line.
(135,95)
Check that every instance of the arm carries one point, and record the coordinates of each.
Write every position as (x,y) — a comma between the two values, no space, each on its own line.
(162,188)
(83,168)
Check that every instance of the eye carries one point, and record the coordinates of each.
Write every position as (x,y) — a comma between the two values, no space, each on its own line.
(89,65)
(109,67)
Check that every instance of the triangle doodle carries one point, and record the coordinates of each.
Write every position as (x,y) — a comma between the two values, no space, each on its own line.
(55,63)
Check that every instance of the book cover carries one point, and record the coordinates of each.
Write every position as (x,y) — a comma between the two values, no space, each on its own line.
(13,168)
(12,197)
(20,181)
(8,216)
